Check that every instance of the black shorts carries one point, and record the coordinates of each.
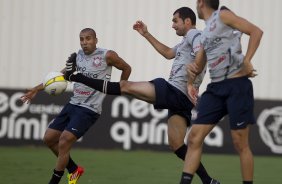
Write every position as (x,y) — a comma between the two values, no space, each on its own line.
(171,98)
(74,119)
(231,96)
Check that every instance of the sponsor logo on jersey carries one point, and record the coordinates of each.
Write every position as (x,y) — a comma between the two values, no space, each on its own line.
(220,60)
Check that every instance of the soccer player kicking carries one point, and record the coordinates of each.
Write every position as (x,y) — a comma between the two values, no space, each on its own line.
(230,91)
(171,94)
(85,105)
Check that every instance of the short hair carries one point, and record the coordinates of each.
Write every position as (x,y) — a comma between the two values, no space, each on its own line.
(89,30)
(185,12)
(214,4)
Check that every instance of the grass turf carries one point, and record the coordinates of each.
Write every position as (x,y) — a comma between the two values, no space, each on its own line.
(33,165)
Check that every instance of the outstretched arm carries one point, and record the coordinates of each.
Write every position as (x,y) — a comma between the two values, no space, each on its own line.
(31,93)
(165,51)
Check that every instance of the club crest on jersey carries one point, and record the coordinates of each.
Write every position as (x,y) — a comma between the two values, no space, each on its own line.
(97,61)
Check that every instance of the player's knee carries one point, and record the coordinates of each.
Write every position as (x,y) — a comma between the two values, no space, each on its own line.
(65,142)
(125,86)
(193,139)
(49,141)
(240,146)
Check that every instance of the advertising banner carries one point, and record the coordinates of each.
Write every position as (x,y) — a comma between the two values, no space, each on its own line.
(129,124)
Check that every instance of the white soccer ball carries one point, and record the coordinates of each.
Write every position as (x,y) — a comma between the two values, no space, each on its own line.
(54,83)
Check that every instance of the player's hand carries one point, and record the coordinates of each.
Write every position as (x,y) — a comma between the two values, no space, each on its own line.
(140,27)
(249,69)
(192,94)
(29,95)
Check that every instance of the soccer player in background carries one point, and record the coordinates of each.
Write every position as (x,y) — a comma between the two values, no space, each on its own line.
(230,91)
(85,105)
(171,94)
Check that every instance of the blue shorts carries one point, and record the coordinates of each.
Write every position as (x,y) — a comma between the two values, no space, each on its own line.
(74,119)
(231,96)
(171,98)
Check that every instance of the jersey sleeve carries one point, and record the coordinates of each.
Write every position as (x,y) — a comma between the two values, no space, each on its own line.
(175,48)
(194,39)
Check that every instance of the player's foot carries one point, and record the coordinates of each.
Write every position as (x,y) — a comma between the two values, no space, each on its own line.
(70,66)
(213,181)
(73,177)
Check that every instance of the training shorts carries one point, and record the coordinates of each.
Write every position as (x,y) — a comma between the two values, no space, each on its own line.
(231,96)
(75,119)
(171,98)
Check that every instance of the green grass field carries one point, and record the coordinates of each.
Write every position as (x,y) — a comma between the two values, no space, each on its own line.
(33,165)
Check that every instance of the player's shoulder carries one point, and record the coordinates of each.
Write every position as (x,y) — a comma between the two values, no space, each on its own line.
(100,50)
(224,11)
(224,8)
(193,34)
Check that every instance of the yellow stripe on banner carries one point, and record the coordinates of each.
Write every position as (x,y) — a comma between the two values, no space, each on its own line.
(55,79)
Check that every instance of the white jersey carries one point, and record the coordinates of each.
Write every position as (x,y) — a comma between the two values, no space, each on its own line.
(93,66)
(185,53)
(223,48)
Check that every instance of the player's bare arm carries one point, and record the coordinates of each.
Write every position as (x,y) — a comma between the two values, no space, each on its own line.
(193,70)
(164,50)
(255,33)
(113,59)
(197,66)
(31,93)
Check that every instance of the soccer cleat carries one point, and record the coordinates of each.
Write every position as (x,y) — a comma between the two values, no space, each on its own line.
(213,181)
(73,177)
(70,66)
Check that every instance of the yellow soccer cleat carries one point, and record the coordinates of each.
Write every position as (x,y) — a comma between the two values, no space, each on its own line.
(73,177)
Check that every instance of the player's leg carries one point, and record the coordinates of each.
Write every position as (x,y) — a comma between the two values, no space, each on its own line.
(210,110)
(107,87)
(81,119)
(61,149)
(177,128)
(51,139)
(141,90)
(240,105)
(241,144)
(65,143)
(240,137)
(196,137)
